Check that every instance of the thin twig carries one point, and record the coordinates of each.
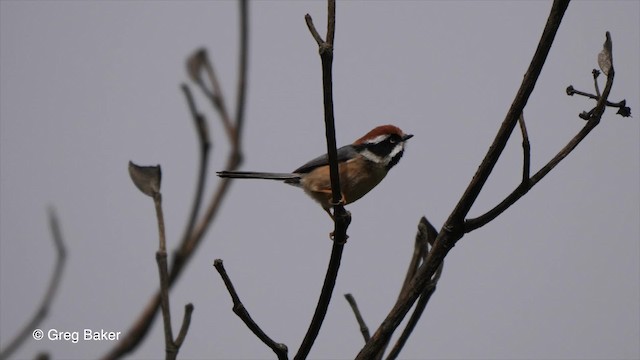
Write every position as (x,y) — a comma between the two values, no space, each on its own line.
(453,229)
(186,321)
(356,311)
(172,347)
(425,238)
(313,30)
(189,245)
(205,145)
(595,74)
(239,309)
(426,232)
(526,150)
(572,91)
(54,284)
(161,260)
(243,69)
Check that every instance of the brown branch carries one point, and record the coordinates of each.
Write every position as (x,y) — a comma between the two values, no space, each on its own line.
(171,347)
(425,238)
(240,310)
(54,284)
(186,321)
(526,150)
(525,186)
(189,244)
(453,229)
(356,311)
(426,234)
(205,145)
(342,218)
(312,29)
(415,316)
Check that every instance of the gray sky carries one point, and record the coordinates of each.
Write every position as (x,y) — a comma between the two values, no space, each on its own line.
(87,86)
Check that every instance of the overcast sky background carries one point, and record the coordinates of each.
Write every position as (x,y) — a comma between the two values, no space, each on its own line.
(87,86)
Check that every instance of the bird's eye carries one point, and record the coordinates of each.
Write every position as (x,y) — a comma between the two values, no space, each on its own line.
(392,140)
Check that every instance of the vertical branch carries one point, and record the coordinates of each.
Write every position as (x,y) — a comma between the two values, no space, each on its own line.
(205,145)
(148,180)
(526,150)
(242,76)
(342,218)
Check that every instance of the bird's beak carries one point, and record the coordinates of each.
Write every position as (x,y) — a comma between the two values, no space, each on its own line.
(406,137)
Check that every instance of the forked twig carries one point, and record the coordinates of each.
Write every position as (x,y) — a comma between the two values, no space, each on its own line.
(240,310)
(528,183)
(148,180)
(190,243)
(54,284)
(454,227)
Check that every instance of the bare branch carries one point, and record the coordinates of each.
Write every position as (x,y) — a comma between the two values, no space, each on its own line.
(186,321)
(45,304)
(189,244)
(313,30)
(239,309)
(323,301)
(354,307)
(170,349)
(454,229)
(594,119)
(148,180)
(205,145)
(526,150)
(243,67)
(415,316)
(425,238)
(424,235)
(341,217)
(331,21)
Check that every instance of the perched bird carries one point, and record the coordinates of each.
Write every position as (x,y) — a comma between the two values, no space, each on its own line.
(362,165)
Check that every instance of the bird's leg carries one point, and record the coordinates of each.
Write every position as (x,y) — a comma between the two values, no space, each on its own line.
(342,202)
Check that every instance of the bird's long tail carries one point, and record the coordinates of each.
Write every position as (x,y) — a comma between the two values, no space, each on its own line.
(286,177)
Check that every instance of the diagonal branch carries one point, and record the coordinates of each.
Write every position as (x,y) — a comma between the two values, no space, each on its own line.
(356,311)
(56,278)
(239,309)
(453,229)
(525,186)
(415,316)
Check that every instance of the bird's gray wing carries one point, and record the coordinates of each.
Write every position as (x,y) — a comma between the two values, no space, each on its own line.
(344,153)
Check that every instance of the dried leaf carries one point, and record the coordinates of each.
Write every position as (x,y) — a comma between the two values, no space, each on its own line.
(146,178)
(195,63)
(604,57)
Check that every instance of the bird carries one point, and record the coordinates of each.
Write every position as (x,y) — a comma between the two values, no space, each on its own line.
(362,166)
